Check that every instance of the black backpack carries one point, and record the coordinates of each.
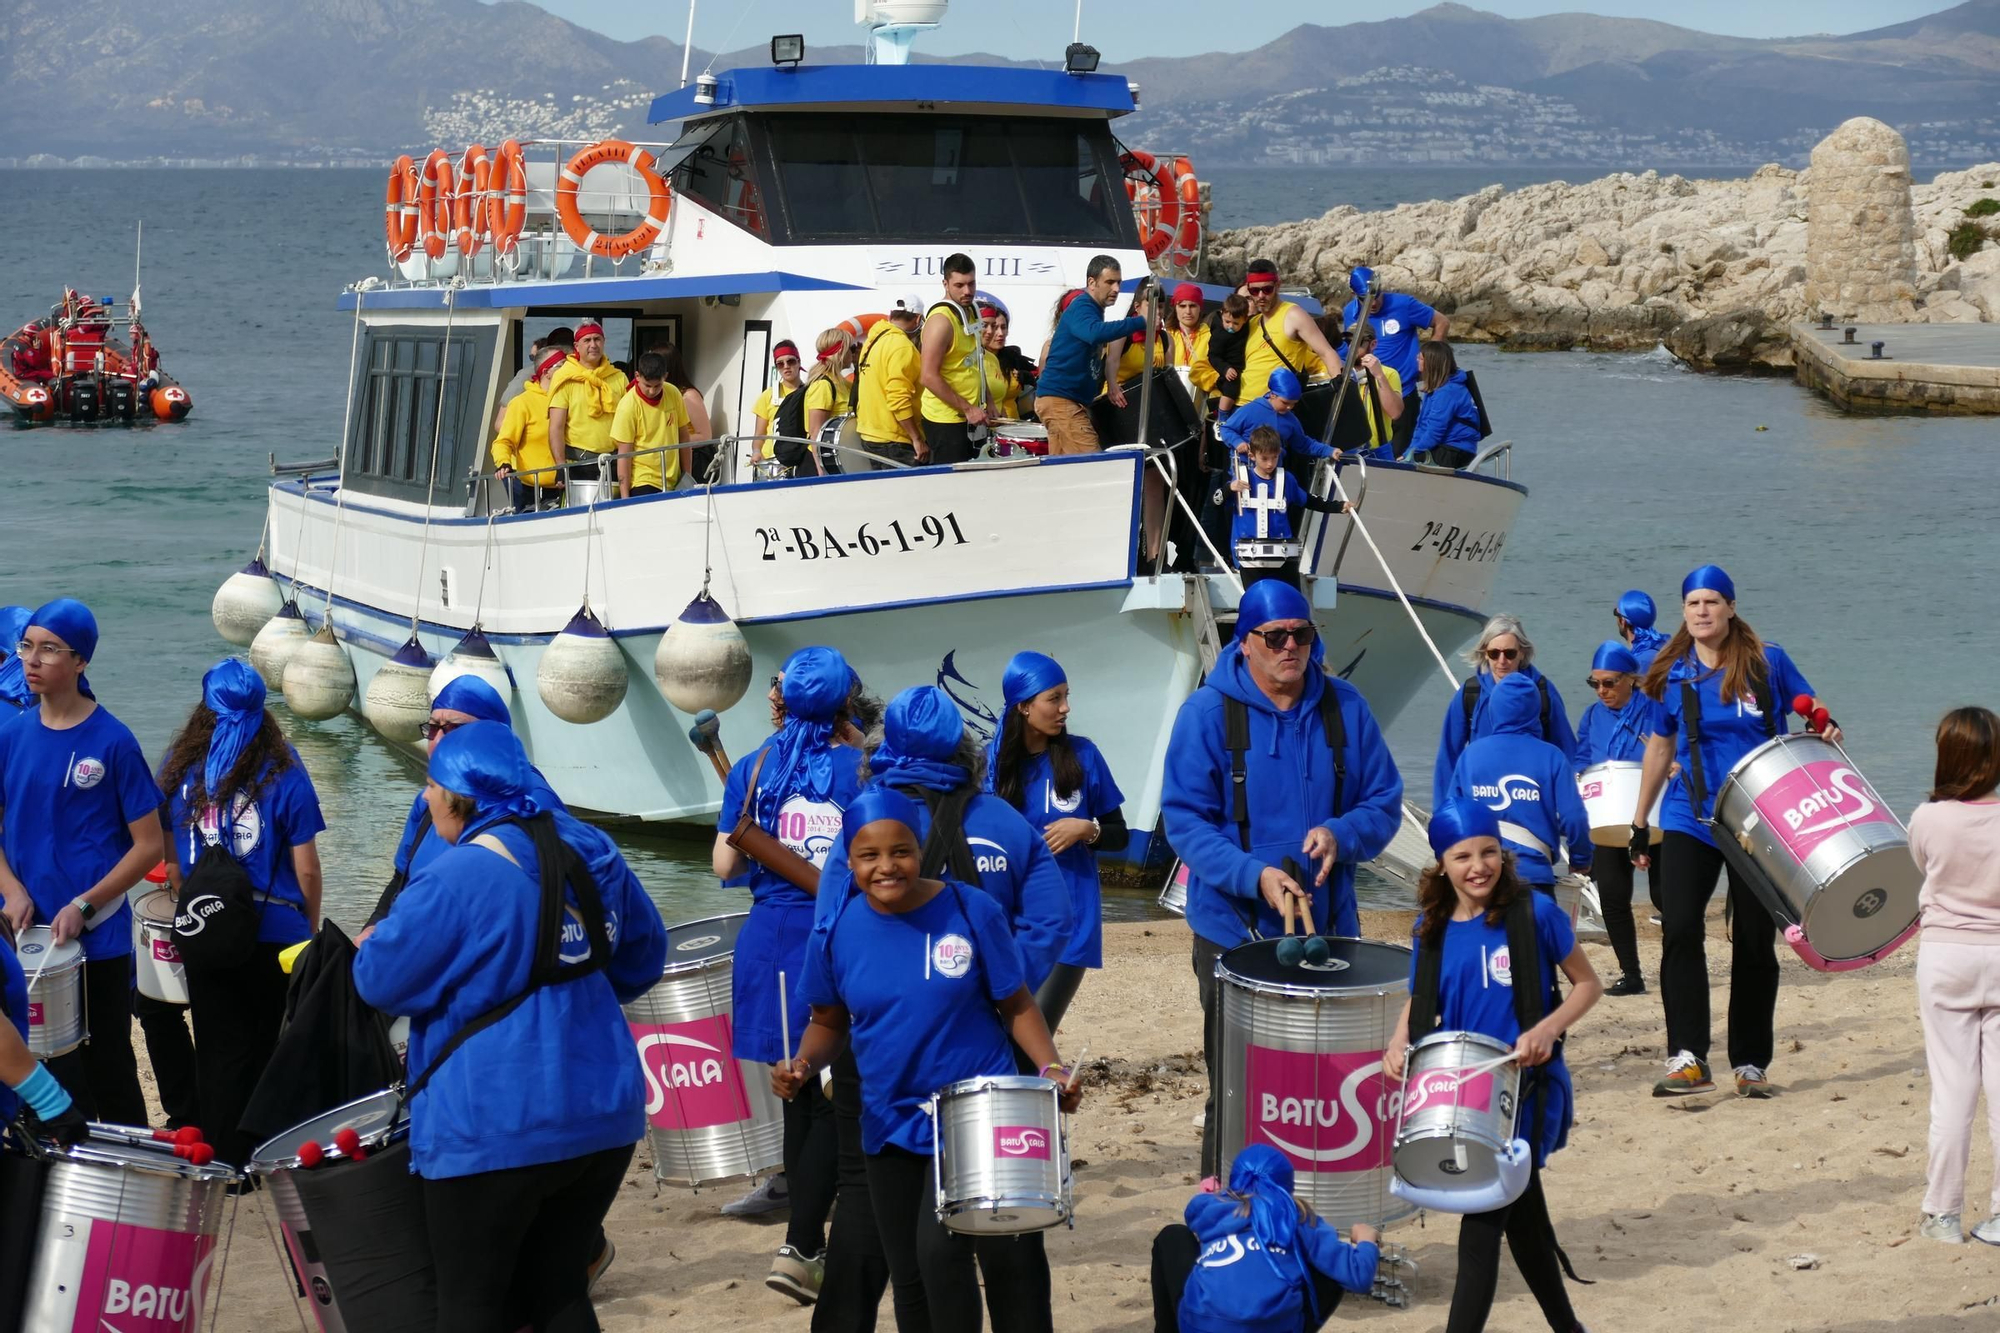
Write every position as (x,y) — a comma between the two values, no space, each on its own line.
(789,424)
(215,916)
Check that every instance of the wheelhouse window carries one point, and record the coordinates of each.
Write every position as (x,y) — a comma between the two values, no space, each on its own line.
(716,170)
(414,393)
(923,176)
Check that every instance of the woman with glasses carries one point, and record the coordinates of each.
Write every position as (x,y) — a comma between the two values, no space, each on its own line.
(1503,648)
(81,827)
(785,357)
(1617,726)
(1009,373)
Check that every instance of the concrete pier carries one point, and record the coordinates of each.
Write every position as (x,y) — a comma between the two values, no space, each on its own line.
(1947,368)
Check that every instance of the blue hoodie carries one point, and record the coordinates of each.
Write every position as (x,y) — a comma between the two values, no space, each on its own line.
(1646,645)
(559,1077)
(1236,427)
(1290,791)
(1615,733)
(1241,1286)
(1527,782)
(1074,367)
(1447,417)
(1452,741)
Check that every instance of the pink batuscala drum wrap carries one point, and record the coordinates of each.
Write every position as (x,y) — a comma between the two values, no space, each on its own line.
(1824,850)
(1457,1113)
(1001,1164)
(1301,1070)
(709,1116)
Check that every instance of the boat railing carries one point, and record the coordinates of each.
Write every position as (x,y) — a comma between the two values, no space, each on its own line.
(1495,460)
(320,465)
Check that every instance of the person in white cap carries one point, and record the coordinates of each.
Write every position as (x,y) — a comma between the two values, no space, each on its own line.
(888,388)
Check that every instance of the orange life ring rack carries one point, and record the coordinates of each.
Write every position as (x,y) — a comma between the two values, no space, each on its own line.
(571,213)
(1161,226)
(856,327)
(439,184)
(399,222)
(1187,239)
(507,198)
(468,203)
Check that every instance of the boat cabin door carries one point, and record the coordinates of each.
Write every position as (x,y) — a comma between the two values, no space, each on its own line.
(754,374)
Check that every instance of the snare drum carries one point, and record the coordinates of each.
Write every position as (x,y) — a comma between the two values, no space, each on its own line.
(770,469)
(1454,1127)
(1610,793)
(161,974)
(57,1023)
(1016,439)
(1265,555)
(1001,1161)
(710,1117)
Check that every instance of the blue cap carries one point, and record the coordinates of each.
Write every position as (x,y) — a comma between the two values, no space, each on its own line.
(1459,819)
(878,802)
(1264,1176)
(817,682)
(1267,600)
(1636,608)
(1357,281)
(485,761)
(475,698)
(1714,578)
(70,621)
(1028,674)
(1284,384)
(235,694)
(1612,655)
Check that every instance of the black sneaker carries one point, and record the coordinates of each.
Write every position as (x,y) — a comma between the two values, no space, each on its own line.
(1629,984)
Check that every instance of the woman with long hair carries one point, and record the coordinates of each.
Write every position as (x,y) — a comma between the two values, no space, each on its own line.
(1716,682)
(699,426)
(1448,429)
(1064,786)
(1502,648)
(233,781)
(1465,900)
(1010,375)
(1955,840)
(829,389)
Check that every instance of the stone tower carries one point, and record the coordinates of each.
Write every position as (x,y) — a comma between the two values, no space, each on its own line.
(1860,235)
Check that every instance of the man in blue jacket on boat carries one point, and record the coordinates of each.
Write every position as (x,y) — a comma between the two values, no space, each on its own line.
(1273,759)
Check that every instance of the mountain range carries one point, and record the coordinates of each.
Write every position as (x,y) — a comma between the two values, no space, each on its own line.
(359,79)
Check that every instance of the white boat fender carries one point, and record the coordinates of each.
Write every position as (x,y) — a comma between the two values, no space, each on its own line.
(473,656)
(582,676)
(398,701)
(703,661)
(319,680)
(275,643)
(245,601)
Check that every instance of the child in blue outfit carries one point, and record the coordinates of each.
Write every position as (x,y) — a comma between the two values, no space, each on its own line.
(1254,1259)
(1264,496)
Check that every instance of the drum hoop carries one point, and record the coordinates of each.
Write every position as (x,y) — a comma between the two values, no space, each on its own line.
(1462,1034)
(686,966)
(1452,1132)
(995,1083)
(1062,1202)
(1782,741)
(1244,983)
(375,1138)
(133,1158)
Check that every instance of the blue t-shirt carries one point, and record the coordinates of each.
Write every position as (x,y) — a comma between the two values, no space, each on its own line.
(1257,504)
(1728,732)
(14,1006)
(68,799)
(262,833)
(1044,805)
(1605,732)
(1398,325)
(807,826)
(920,990)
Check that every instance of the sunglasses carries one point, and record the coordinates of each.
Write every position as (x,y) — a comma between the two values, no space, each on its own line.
(1261,288)
(432,730)
(1604,684)
(1502,654)
(1274,639)
(786,362)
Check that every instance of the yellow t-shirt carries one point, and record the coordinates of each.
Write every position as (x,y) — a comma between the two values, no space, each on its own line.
(1193,353)
(766,409)
(590,397)
(888,384)
(1006,390)
(523,441)
(831,394)
(1134,356)
(644,426)
(1260,357)
(1379,430)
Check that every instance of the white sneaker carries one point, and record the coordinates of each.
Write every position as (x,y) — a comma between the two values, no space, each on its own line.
(1945,1227)
(771,1196)
(1988,1231)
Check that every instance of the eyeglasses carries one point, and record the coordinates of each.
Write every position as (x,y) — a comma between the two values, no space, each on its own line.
(787,362)
(1261,288)
(42,652)
(1502,654)
(1604,684)
(777,682)
(430,730)
(1274,639)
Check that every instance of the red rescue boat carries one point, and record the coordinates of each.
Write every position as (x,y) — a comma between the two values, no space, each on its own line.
(90,361)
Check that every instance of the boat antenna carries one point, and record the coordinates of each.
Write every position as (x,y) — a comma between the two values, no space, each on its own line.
(138,250)
(1076,33)
(687,45)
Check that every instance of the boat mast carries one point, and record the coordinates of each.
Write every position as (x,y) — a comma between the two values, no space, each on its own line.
(687,44)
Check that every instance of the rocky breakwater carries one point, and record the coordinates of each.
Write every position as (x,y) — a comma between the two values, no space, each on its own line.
(1714,269)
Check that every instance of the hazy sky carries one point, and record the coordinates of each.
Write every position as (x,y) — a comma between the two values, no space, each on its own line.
(1025,28)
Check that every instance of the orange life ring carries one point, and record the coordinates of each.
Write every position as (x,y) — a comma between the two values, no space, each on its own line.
(1188,237)
(434,202)
(507,200)
(399,223)
(571,213)
(468,204)
(856,327)
(1159,226)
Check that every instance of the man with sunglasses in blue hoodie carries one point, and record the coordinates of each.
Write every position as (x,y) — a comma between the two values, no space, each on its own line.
(1317,786)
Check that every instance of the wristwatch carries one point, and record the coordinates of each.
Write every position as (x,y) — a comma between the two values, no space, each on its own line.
(1096,832)
(85,908)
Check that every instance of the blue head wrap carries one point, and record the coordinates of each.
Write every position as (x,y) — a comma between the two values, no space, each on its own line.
(817,682)
(921,731)
(1029,674)
(1614,656)
(1712,577)
(485,761)
(13,686)
(877,803)
(235,694)
(475,698)
(1267,600)
(1459,819)
(1262,1175)
(1636,609)
(70,621)
(1284,384)
(1357,281)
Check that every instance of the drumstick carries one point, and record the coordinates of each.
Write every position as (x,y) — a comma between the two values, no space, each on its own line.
(1076,1068)
(1486,1066)
(785,1018)
(1306,909)
(1285,906)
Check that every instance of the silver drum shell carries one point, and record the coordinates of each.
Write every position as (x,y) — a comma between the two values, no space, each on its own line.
(1441,1141)
(57,994)
(983,1188)
(162,975)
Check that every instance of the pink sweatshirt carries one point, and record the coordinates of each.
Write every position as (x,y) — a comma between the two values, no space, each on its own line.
(1957,847)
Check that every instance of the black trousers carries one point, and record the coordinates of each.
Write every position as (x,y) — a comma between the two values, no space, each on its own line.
(857,1274)
(512,1247)
(1612,868)
(1205,955)
(1406,424)
(102,1075)
(897,451)
(1532,1239)
(812,1160)
(1691,871)
(931,1268)
(1175,1251)
(1063,982)
(949,442)
(237,1013)
(170,1051)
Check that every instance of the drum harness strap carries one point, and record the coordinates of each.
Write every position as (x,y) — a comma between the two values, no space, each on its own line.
(561,866)
(1236,739)
(1698,789)
(401,878)
(1469,699)
(1531,1006)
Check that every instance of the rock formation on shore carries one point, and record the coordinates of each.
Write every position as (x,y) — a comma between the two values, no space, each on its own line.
(1715,269)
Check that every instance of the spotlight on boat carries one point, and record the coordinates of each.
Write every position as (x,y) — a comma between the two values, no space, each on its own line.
(1079,58)
(704,89)
(788,50)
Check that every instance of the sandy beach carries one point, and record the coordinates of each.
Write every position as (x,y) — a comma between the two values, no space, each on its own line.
(1797,1213)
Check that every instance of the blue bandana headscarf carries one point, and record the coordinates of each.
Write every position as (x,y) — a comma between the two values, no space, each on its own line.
(1712,577)
(235,694)
(1028,674)
(921,731)
(1636,608)
(1261,1174)
(485,761)
(1459,819)
(876,803)
(13,682)
(70,621)
(475,698)
(1268,600)
(1614,656)
(817,682)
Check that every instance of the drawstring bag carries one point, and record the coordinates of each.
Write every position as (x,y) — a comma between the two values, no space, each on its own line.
(215,919)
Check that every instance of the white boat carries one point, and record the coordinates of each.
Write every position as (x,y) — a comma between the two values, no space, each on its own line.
(783,224)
